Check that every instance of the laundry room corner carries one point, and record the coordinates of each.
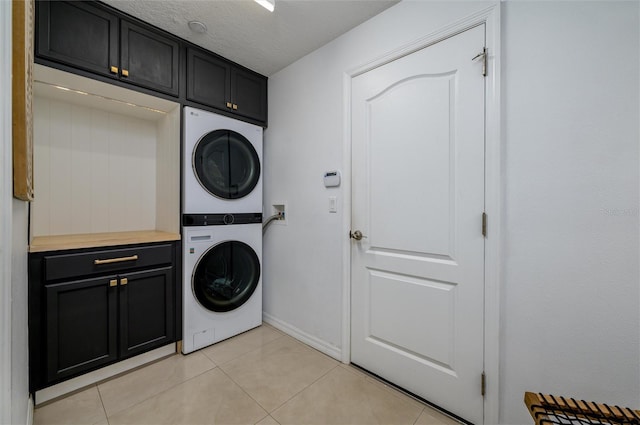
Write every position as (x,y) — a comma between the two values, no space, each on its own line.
(304,262)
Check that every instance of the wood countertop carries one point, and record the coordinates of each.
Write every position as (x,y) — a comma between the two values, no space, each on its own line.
(95,240)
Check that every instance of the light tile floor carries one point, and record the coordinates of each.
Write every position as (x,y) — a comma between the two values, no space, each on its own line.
(260,377)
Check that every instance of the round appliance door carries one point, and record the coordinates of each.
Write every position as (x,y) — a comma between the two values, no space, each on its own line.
(226,164)
(226,276)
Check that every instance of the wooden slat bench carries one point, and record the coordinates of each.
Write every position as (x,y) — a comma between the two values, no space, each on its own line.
(547,409)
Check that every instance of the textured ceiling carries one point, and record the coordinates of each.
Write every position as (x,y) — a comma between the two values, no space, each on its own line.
(246,33)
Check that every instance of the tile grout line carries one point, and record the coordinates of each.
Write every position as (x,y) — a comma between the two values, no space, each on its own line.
(274,419)
(283,403)
(312,349)
(303,389)
(241,355)
(102,403)
(399,392)
(289,399)
(215,366)
(419,415)
(282,335)
(314,381)
(245,391)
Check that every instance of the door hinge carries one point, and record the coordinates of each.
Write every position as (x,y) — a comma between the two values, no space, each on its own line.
(484,224)
(483,384)
(482,55)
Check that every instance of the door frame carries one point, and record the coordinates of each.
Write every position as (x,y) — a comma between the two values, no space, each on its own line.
(490,17)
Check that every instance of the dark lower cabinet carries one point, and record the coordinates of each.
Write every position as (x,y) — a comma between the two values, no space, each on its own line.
(81,323)
(92,307)
(146,311)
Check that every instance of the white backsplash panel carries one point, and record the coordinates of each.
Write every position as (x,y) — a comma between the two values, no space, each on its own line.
(94,170)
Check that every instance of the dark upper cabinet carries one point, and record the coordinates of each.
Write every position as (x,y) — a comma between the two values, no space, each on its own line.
(81,321)
(249,94)
(86,36)
(208,79)
(148,59)
(96,39)
(78,34)
(218,83)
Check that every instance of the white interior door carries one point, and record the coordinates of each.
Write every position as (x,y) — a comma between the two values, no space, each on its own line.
(418,198)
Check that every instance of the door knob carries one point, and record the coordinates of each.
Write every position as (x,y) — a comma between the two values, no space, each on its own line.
(357,235)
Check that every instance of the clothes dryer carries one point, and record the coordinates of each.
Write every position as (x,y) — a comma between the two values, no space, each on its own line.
(222,164)
(222,284)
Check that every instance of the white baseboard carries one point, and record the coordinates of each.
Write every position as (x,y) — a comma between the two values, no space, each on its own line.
(302,336)
(99,375)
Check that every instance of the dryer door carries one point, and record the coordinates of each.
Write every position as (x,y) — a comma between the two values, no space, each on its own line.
(226,164)
(226,276)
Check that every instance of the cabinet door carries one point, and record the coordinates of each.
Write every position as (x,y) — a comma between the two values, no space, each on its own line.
(146,310)
(208,79)
(81,326)
(249,94)
(78,34)
(149,59)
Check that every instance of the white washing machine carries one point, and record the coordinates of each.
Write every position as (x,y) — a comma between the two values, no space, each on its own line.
(222,285)
(222,164)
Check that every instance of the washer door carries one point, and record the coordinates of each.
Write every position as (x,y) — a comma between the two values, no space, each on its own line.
(226,276)
(226,164)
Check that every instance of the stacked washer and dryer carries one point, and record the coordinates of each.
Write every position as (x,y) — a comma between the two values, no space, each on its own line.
(222,228)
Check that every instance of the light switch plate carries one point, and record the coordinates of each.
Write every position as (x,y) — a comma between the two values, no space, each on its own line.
(333,204)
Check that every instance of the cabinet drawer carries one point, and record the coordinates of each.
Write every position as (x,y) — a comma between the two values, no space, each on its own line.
(61,266)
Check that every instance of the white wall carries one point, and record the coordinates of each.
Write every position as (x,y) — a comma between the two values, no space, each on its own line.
(569,288)
(20,403)
(303,260)
(14,395)
(5,213)
(571,321)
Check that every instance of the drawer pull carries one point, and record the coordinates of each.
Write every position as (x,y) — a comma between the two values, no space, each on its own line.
(113,283)
(115,260)
(124,281)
